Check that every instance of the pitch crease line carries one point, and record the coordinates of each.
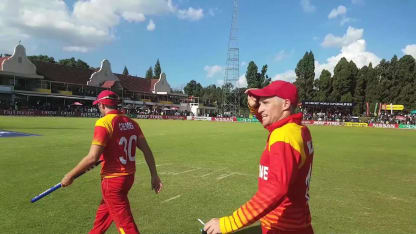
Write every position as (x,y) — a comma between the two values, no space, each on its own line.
(226,175)
(172,198)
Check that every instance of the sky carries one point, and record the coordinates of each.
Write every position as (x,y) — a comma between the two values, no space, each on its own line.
(190,37)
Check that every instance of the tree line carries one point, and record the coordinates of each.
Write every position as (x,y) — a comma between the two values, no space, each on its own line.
(391,81)
(213,95)
(71,62)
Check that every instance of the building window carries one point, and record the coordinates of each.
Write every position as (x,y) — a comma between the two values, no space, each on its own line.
(19,59)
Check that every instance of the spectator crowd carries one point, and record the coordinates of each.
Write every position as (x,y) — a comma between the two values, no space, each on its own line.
(75,108)
(344,115)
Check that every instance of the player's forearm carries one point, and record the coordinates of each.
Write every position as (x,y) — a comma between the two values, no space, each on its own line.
(257,207)
(85,163)
(88,161)
(150,160)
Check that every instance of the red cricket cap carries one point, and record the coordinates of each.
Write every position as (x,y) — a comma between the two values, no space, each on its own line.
(107,97)
(278,88)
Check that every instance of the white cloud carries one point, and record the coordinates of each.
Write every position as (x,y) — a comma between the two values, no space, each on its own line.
(133,16)
(410,50)
(340,10)
(345,20)
(242,82)
(90,23)
(281,55)
(191,14)
(151,26)
(351,36)
(76,49)
(213,70)
(307,6)
(353,48)
(289,76)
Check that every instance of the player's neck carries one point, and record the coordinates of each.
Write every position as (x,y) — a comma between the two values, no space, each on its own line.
(108,110)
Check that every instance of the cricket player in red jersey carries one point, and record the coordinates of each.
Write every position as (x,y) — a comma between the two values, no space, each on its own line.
(281,201)
(115,140)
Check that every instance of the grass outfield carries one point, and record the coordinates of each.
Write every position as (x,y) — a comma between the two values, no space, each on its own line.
(363,179)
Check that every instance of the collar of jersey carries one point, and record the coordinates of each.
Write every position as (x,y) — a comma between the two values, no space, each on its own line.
(295,118)
(113,112)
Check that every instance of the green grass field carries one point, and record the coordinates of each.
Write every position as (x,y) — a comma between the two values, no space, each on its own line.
(363,179)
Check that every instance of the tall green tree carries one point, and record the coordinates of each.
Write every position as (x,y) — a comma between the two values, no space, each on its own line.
(209,96)
(406,73)
(125,71)
(193,88)
(344,81)
(305,75)
(323,86)
(385,72)
(360,90)
(251,75)
(149,73)
(372,84)
(263,79)
(256,79)
(372,95)
(158,70)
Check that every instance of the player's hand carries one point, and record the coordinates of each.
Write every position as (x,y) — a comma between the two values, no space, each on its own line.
(213,226)
(252,101)
(67,180)
(156,184)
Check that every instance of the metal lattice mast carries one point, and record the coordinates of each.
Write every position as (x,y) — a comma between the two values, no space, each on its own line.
(232,69)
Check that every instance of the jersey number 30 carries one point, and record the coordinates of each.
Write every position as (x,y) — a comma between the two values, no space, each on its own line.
(128,148)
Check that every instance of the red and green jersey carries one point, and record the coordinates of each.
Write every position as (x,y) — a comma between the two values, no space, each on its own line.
(281,202)
(118,134)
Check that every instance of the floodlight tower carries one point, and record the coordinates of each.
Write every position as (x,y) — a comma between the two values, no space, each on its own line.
(231,97)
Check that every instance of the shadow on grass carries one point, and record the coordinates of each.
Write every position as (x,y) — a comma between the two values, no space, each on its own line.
(250,230)
(43,128)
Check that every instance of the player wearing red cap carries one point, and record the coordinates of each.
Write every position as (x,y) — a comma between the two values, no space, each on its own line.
(281,201)
(115,140)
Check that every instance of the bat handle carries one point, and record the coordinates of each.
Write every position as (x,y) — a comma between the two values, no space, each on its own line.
(57,186)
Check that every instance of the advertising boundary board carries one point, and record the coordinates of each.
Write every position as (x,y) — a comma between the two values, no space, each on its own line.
(407,126)
(380,125)
(35,113)
(200,118)
(224,119)
(355,124)
(160,117)
(248,120)
(325,123)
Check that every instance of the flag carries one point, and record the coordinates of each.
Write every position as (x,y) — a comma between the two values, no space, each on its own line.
(379,108)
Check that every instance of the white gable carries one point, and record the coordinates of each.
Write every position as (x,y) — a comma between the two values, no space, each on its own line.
(162,85)
(19,63)
(102,75)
